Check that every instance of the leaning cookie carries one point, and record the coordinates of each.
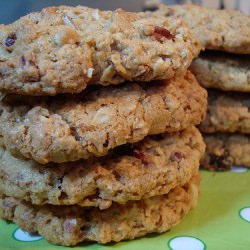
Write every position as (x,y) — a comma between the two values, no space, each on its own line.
(70,225)
(131,172)
(223,71)
(69,127)
(226,30)
(62,49)
(223,151)
(227,112)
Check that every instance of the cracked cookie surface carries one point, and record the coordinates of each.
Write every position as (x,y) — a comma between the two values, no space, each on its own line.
(223,151)
(227,112)
(70,225)
(63,49)
(131,172)
(227,30)
(229,72)
(69,127)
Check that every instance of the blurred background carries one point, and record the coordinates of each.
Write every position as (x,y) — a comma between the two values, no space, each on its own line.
(10,10)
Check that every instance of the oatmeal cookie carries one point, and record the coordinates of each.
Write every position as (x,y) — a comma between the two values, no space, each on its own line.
(63,49)
(131,172)
(70,225)
(223,151)
(229,72)
(227,112)
(227,30)
(72,127)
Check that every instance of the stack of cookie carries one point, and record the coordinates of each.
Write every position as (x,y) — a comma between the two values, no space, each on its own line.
(98,163)
(223,68)
(227,122)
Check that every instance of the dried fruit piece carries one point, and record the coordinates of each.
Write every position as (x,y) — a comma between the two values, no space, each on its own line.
(161,33)
(219,162)
(176,156)
(22,61)
(10,40)
(140,155)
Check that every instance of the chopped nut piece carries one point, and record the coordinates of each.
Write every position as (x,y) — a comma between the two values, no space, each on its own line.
(68,21)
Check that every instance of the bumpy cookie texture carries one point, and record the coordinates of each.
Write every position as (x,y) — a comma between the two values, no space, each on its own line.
(131,172)
(226,30)
(223,151)
(227,112)
(70,225)
(223,71)
(62,49)
(69,128)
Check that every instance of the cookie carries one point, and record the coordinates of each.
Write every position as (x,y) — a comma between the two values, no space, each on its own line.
(229,72)
(131,172)
(227,30)
(63,49)
(70,225)
(223,151)
(69,127)
(227,112)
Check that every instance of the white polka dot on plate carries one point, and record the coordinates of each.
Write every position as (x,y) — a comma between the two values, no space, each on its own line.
(186,243)
(245,214)
(239,169)
(20,235)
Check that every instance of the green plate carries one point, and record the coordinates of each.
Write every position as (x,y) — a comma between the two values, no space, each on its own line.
(220,221)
